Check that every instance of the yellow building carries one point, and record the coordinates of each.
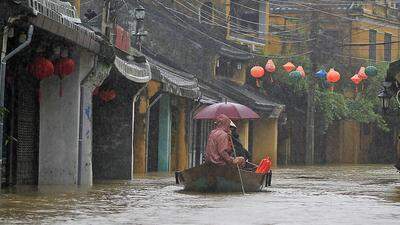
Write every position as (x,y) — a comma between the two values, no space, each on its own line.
(365,31)
(246,24)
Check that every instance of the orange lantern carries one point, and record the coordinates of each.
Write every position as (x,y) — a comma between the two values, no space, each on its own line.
(356,80)
(257,72)
(301,70)
(289,67)
(270,66)
(361,73)
(333,76)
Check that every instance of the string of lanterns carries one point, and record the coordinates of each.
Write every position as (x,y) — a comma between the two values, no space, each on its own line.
(332,76)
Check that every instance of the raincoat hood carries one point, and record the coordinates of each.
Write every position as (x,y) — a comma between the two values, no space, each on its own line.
(223,122)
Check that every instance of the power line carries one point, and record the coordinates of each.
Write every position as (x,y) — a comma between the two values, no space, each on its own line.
(224,13)
(221,42)
(238,30)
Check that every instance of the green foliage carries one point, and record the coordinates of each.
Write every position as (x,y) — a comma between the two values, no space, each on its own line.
(336,105)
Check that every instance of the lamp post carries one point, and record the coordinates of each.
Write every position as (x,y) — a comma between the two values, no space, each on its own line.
(139,14)
(385,95)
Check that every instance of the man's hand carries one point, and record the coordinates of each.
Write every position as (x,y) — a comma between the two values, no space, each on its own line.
(239,161)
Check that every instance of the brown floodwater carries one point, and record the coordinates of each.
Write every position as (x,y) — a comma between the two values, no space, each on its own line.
(365,194)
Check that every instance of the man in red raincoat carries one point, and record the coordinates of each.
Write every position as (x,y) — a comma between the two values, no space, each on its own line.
(219,145)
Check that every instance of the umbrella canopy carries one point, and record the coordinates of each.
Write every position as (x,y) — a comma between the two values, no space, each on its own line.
(232,110)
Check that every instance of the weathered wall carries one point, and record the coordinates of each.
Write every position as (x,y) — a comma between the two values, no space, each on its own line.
(59,126)
(347,143)
(181,47)
(112,130)
(265,140)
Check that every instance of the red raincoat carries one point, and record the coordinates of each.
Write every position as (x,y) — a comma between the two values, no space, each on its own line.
(219,146)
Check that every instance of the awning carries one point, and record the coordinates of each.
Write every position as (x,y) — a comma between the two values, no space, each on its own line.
(60,19)
(175,81)
(137,72)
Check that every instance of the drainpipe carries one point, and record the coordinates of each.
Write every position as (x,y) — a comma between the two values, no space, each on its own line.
(148,124)
(135,98)
(3,65)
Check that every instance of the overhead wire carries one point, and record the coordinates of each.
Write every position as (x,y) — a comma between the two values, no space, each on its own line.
(241,30)
(223,43)
(224,13)
(210,22)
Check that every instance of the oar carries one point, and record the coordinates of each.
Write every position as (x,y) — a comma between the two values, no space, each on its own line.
(237,166)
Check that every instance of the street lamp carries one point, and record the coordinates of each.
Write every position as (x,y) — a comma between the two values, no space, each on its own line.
(139,14)
(385,95)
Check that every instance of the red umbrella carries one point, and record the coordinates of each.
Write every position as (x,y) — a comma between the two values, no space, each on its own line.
(232,110)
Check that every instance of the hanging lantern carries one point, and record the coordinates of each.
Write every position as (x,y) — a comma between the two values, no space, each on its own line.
(41,68)
(361,73)
(295,74)
(107,96)
(63,68)
(356,80)
(257,72)
(270,66)
(301,70)
(320,74)
(289,67)
(332,76)
(371,71)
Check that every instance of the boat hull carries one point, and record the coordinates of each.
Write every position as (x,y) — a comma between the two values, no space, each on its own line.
(214,178)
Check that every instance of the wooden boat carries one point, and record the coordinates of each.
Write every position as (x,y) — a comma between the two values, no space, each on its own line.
(213,178)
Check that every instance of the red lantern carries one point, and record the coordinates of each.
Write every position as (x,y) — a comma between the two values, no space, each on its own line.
(41,68)
(333,76)
(361,73)
(270,66)
(289,67)
(107,96)
(301,70)
(257,72)
(64,67)
(356,80)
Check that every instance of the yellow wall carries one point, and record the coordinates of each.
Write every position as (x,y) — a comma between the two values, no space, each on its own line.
(182,151)
(243,130)
(265,140)
(373,18)
(347,144)
(139,138)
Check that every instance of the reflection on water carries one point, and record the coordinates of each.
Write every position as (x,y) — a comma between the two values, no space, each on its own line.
(299,195)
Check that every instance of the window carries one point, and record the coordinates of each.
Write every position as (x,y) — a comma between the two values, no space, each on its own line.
(244,18)
(372,48)
(388,47)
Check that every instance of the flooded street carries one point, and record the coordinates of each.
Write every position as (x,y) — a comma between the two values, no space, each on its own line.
(365,194)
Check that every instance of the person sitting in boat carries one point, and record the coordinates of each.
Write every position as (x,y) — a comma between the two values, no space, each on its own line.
(219,145)
(239,149)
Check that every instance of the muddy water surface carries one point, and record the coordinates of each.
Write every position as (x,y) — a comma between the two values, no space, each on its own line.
(368,194)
